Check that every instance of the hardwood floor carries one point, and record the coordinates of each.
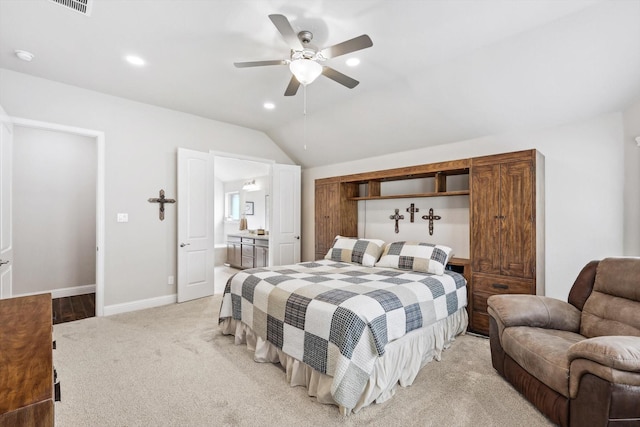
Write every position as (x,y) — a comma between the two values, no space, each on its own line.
(77,307)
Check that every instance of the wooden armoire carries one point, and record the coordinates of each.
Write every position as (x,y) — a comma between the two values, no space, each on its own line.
(506,215)
(507,229)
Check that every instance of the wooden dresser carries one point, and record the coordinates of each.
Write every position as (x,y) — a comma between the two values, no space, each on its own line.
(26,362)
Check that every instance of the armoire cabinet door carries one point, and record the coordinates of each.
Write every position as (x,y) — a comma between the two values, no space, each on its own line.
(517,219)
(485,230)
(326,216)
(320,218)
(336,212)
(503,218)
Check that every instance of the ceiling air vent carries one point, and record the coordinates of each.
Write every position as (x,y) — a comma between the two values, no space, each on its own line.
(81,6)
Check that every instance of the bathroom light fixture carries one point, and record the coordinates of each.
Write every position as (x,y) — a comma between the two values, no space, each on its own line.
(250,186)
(305,70)
(269,105)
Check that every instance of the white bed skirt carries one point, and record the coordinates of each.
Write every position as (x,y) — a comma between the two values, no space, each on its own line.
(400,364)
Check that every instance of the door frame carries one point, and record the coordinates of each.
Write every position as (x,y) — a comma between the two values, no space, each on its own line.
(216,153)
(269,162)
(100,193)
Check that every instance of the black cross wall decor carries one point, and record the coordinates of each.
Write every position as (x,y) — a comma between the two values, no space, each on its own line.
(430,218)
(161,200)
(397,217)
(412,210)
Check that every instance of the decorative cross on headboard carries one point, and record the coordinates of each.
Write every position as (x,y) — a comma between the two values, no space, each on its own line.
(412,209)
(431,217)
(162,201)
(397,217)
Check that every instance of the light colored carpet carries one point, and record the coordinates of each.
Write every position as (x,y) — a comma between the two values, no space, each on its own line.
(170,366)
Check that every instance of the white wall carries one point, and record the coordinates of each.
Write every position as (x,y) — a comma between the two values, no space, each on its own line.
(584,189)
(140,159)
(233,225)
(54,210)
(452,229)
(632,180)
(257,220)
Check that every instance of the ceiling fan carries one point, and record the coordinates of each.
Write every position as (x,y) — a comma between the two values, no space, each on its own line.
(305,60)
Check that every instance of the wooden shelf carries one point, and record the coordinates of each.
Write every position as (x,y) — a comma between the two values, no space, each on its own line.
(368,186)
(449,168)
(411,196)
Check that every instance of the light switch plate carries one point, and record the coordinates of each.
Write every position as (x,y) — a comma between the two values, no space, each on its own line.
(123,217)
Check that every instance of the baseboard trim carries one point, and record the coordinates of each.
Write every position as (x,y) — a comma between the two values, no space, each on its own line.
(475,334)
(63,292)
(140,304)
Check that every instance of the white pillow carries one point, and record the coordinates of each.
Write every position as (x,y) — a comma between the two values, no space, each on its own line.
(359,251)
(416,256)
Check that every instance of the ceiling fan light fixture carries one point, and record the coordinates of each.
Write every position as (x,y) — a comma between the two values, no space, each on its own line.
(305,70)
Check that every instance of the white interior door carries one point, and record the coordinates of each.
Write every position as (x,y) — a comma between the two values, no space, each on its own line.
(284,232)
(195,201)
(6,223)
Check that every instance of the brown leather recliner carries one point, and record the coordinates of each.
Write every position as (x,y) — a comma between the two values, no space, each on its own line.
(578,362)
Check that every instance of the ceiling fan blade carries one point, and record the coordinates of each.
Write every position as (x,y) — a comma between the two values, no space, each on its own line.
(292,89)
(284,27)
(259,63)
(339,77)
(357,43)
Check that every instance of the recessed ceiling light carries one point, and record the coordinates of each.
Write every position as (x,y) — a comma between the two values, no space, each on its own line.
(24,55)
(352,62)
(134,60)
(269,105)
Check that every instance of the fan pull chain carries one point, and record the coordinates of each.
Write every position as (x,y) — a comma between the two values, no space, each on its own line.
(304,114)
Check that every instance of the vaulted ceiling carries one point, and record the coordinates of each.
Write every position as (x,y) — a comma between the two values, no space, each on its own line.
(439,71)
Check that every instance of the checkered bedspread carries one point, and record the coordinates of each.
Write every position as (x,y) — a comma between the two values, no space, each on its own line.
(337,317)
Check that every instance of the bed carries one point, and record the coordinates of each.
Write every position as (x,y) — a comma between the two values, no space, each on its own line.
(348,327)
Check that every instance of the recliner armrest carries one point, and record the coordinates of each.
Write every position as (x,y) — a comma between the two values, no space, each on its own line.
(615,359)
(615,351)
(535,311)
